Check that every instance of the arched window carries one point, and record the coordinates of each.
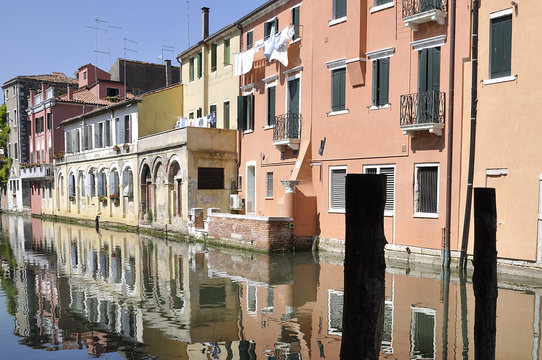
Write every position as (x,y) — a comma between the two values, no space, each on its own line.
(114,183)
(102,184)
(91,185)
(128,183)
(61,184)
(71,185)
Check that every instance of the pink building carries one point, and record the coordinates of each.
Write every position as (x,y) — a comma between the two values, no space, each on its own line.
(366,90)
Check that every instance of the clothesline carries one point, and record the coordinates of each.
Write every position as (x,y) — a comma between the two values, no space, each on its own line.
(205,121)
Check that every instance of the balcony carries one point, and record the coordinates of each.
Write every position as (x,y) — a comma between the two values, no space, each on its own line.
(423,111)
(417,12)
(287,131)
(37,172)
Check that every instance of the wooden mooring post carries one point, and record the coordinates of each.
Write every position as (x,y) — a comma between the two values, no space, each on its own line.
(484,278)
(364,267)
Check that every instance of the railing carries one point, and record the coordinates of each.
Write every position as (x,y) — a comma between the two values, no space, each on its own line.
(37,99)
(49,93)
(287,126)
(423,108)
(413,7)
(36,171)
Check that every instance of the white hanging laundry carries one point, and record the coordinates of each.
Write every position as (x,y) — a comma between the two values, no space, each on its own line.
(270,44)
(258,45)
(238,64)
(181,122)
(211,118)
(280,51)
(243,62)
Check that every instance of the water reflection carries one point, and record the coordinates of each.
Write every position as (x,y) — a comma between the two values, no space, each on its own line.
(69,288)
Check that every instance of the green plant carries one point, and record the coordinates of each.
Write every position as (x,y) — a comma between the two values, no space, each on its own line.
(149,215)
(290,225)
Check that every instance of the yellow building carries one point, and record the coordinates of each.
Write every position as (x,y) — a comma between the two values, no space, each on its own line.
(207,73)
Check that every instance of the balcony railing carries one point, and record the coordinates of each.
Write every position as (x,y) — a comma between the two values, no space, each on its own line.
(416,12)
(37,172)
(37,99)
(423,111)
(287,131)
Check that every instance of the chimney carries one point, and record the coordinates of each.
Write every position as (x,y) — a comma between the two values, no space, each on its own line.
(43,92)
(70,93)
(204,23)
(169,80)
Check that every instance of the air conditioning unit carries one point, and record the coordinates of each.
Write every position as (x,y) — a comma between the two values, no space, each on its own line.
(236,202)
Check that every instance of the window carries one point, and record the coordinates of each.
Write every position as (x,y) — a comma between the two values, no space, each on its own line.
(49,121)
(422,333)
(271,91)
(91,187)
(250,39)
(295,21)
(15,120)
(107,134)
(191,115)
(227,52)
(38,124)
(389,171)
(118,131)
(426,190)
(199,113)
(213,57)
(191,70)
(61,185)
(428,85)
(200,65)
(339,9)
(128,184)
(273,24)
(337,188)
(381,2)
(50,154)
(210,178)
(226,114)
(338,88)
(381,76)
(500,46)
(112,92)
(335,312)
(269,185)
(127,129)
(71,185)
(7,93)
(114,183)
(245,112)
(99,135)
(16,151)
(212,109)
(84,75)
(102,183)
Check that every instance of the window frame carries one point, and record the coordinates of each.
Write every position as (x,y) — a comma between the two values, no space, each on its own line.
(338,18)
(379,65)
(297,27)
(191,69)
(378,168)
(251,43)
(268,186)
(213,57)
(268,86)
(227,52)
(226,116)
(419,214)
(427,312)
(343,109)
(199,69)
(499,15)
(268,25)
(332,209)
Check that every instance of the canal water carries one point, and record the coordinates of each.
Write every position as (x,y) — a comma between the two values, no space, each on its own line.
(67,291)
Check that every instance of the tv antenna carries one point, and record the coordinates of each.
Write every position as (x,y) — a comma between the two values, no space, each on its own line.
(97,28)
(125,51)
(166,48)
(188,23)
(111,27)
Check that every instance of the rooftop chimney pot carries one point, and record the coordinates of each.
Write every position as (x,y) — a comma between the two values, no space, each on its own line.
(204,22)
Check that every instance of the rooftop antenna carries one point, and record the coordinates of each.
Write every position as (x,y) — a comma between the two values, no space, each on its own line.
(125,50)
(166,48)
(188,23)
(96,51)
(109,33)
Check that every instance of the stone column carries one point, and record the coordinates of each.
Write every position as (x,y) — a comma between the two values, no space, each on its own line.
(289,192)
(121,200)
(78,198)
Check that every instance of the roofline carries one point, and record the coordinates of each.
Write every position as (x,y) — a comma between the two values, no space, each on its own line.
(23,78)
(99,111)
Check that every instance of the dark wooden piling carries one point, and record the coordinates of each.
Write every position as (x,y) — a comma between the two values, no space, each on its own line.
(484,278)
(364,267)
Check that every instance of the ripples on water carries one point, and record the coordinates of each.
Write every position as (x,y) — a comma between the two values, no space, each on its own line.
(67,291)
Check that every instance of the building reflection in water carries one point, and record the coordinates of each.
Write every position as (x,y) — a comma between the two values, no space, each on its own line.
(142,296)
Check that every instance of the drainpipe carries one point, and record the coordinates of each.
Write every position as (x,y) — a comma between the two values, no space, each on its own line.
(238,163)
(474,100)
(446,259)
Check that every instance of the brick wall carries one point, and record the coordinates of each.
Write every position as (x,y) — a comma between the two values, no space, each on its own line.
(258,232)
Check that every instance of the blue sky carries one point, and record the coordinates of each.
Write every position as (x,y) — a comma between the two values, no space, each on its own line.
(40,37)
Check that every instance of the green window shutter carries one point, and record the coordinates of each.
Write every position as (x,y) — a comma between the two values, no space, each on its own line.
(241,113)
(340,9)
(199,65)
(434,82)
(338,78)
(342,88)
(266,30)
(422,71)
(375,82)
(250,39)
(295,21)
(213,57)
(191,70)
(501,46)
(250,111)
(276,25)
(271,105)
(227,51)
(383,80)
(227,115)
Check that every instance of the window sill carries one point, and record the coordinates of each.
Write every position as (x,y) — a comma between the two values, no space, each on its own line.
(379,107)
(268,127)
(499,80)
(337,21)
(248,131)
(389,213)
(340,112)
(336,211)
(382,7)
(425,215)
(226,66)
(295,41)
(268,198)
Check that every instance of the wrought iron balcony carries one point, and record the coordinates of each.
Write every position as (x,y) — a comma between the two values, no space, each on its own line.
(423,111)
(417,12)
(41,171)
(287,131)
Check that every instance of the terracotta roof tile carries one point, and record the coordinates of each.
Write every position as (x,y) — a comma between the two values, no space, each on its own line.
(84,96)
(54,77)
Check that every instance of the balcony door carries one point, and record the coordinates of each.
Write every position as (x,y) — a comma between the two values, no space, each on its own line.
(293,100)
(428,85)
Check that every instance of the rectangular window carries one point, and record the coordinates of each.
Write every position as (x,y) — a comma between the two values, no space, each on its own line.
(38,125)
(15,120)
(107,134)
(426,190)
(227,52)
(339,9)
(271,93)
(210,178)
(226,114)
(200,65)
(273,24)
(213,57)
(269,185)
(50,154)
(389,171)
(127,129)
(250,39)
(335,312)
(295,21)
(191,115)
(212,109)
(15,151)
(382,2)
(338,88)
(112,92)
(49,121)
(422,333)
(87,137)
(199,113)
(381,79)
(118,136)
(245,112)
(100,141)
(500,46)
(337,188)
(191,69)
